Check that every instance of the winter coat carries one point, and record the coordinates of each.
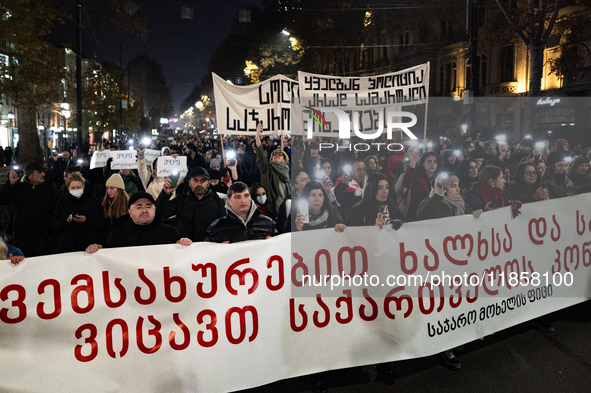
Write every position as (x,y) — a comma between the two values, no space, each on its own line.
(419,190)
(438,207)
(347,197)
(473,197)
(33,209)
(365,214)
(582,182)
(274,178)
(132,183)
(128,234)
(234,229)
(73,236)
(194,215)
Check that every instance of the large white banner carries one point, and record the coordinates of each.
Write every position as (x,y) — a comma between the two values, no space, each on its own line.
(334,106)
(240,108)
(173,318)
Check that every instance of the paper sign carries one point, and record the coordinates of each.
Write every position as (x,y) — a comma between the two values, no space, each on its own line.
(168,164)
(99,159)
(124,159)
(151,156)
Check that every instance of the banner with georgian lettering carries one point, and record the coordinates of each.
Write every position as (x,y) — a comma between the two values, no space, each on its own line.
(365,106)
(240,108)
(174,318)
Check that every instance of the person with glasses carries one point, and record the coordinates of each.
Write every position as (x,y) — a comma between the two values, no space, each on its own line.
(527,186)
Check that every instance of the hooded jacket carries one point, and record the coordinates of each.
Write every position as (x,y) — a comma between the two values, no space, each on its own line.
(234,229)
(274,178)
(126,233)
(194,215)
(73,236)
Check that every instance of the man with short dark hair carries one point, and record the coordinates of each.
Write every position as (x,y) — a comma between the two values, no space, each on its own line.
(33,203)
(141,227)
(243,221)
(194,158)
(195,209)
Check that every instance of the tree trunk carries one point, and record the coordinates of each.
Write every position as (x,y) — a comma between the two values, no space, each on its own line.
(536,63)
(29,148)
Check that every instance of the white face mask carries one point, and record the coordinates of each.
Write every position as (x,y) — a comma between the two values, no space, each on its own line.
(262,199)
(77,193)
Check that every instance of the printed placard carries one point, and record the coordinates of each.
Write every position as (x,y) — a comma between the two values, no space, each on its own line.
(99,159)
(168,164)
(151,156)
(124,159)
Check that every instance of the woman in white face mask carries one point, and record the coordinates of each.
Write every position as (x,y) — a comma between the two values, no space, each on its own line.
(259,196)
(78,218)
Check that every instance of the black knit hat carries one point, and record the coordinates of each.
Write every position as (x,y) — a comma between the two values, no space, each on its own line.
(139,195)
(554,157)
(527,142)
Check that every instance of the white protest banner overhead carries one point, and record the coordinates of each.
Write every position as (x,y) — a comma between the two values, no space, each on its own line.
(124,159)
(334,106)
(240,108)
(173,318)
(168,164)
(99,158)
(151,156)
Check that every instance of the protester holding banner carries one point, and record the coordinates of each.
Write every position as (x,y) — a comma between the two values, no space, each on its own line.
(274,171)
(33,203)
(243,221)
(418,177)
(555,179)
(10,252)
(527,186)
(580,175)
(321,213)
(77,218)
(195,209)
(141,227)
(114,204)
(377,206)
(489,193)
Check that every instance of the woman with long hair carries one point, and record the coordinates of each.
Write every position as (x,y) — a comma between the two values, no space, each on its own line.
(527,186)
(321,213)
(489,193)
(418,177)
(77,218)
(114,204)
(377,206)
(580,175)
(467,172)
(259,196)
(555,179)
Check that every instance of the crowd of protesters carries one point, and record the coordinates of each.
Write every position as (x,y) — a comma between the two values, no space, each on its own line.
(246,188)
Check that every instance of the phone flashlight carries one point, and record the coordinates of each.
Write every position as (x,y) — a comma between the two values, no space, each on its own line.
(430,145)
(348,169)
(147,141)
(320,174)
(230,154)
(15,168)
(303,208)
(80,161)
(457,153)
(444,175)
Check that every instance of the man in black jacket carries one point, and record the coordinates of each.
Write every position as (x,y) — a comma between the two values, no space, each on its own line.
(141,227)
(195,209)
(33,203)
(243,221)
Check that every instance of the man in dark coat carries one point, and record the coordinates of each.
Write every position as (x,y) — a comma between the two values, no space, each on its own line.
(141,227)
(33,203)
(195,209)
(243,221)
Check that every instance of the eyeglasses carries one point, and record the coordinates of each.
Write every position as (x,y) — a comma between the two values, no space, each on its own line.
(530,173)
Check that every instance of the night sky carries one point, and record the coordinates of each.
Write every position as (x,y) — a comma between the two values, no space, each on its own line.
(181,46)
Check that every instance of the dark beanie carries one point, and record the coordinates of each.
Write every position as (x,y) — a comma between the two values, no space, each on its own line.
(579,160)
(476,153)
(554,157)
(528,143)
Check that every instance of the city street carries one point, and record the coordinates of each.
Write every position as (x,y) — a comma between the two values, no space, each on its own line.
(518,359)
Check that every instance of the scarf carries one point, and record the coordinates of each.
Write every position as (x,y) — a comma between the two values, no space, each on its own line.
(457,208)
(317,220)
(490,193)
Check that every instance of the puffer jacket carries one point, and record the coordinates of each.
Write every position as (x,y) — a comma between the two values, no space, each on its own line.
(234,229)
(194,215)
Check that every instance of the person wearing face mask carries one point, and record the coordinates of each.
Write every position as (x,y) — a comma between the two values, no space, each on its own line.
(78,218)
(555,179)
(259,195)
